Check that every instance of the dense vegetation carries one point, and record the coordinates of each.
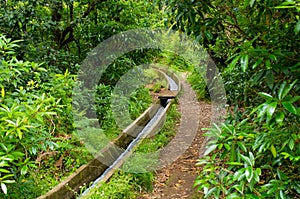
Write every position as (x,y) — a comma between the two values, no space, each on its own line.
(42,44)
(255,44)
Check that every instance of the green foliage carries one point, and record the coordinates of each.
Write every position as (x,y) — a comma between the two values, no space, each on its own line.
(198,84)
(256,155)
(120,186)
(139,101)
(255,46)
(61,33)
(33,111)
(36,92)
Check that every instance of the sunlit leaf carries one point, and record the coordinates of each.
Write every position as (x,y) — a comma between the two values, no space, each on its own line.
(279,117)
(271,109)
(273,151)
(242,146)
(249,173)
(287,89)
(4,188)
(290,107)
(233,63)
(266,95)
(244,62)
(235,163)
(210,149)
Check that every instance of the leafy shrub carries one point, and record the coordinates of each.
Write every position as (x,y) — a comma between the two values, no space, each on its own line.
(30,109)
(256,153)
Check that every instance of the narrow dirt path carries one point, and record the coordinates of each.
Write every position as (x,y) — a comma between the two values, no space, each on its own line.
(176,180)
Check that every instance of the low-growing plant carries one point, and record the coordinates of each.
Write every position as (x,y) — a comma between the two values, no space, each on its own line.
(256,154)
(35,109)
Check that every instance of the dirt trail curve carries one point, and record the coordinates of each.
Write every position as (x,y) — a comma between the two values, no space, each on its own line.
(176,180)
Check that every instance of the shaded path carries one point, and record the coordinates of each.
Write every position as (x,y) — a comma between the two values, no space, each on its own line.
(176,180)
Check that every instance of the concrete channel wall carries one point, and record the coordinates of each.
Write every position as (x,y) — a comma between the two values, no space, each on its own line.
(88,173)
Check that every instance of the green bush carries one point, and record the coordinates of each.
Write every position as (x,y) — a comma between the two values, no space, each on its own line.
(33,111)
(256,153)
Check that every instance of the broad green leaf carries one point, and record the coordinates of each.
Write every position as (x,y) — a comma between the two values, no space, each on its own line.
(287,89)
(2,92)
(238,174)
(217,128)
(258,171)
(242,146)
(241,177)
(262,110)
(273,57)
(252,3)
(266,95)
(20,134)
(282,194)
(9,181)
(273,151)
(17,154)
(235,163)
(286,3)
(256,77)
(4,188)
(4,171)
(291,99)
(252,159)
(256,176)
(244,62)
(227,146)
(291,144)
(11,122)
(3,146)
(232,153)
(258,108)
(249,173)
(24,170)
(210,149)
(290,107)
(279,117)
(280,91)
(3,164)
(220,146)
(239,188)
(209,192)
(246,159)
(233,63)
(271,108)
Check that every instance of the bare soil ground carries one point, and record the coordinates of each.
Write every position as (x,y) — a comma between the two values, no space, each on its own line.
(176,180)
